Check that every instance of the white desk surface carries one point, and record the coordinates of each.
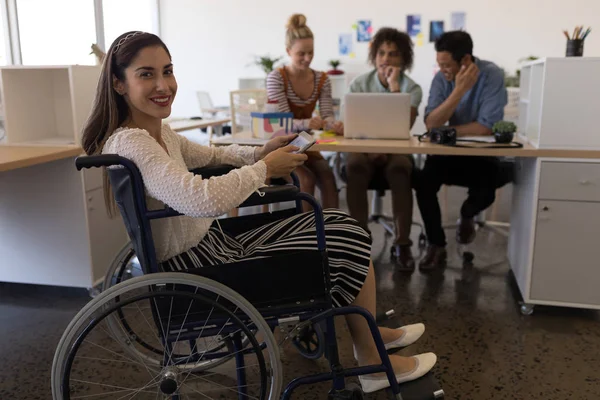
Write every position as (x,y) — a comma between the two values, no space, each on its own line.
(413,146)
(15,156)
(180,125)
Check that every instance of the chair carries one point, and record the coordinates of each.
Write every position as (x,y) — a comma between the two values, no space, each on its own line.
(207,108)
(201,319)
(379,186)
(506,173)
(244,102)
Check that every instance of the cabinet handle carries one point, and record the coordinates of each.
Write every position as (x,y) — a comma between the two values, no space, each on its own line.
(584,181)
(545,208)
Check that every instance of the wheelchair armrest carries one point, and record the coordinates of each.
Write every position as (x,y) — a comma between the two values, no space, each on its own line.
(272,194)
(103,160)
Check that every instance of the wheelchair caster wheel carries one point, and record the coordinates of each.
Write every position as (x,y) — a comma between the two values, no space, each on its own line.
(310,342)
(351,392)
(527,309)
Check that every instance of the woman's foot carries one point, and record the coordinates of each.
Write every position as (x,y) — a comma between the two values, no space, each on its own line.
(405,368)
(401,337)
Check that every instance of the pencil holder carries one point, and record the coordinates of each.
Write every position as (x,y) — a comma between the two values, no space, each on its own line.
(574,48)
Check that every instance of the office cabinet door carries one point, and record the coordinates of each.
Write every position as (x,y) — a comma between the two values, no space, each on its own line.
(566,264)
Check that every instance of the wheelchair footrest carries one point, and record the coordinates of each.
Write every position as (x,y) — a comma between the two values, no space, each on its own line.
(424,388)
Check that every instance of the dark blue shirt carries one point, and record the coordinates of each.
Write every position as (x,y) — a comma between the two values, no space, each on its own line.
(484,103)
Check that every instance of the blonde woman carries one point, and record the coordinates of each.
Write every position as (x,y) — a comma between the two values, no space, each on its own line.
(297,88)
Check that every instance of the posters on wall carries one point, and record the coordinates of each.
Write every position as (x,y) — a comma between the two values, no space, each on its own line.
(364,31)
(345,44)
(436,29)
(413,25)
(458,21)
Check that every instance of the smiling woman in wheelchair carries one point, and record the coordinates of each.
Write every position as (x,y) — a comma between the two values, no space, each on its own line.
(135,93)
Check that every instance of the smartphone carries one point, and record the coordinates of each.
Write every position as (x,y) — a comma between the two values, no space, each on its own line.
(303,141)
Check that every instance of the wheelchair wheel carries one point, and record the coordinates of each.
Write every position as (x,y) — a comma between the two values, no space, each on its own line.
(126,266)
(310,342)
(172,311)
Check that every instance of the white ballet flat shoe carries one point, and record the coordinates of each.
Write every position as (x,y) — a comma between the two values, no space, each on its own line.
(411,334)
(425,362)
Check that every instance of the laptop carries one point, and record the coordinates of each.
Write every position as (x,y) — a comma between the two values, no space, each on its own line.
(377,116)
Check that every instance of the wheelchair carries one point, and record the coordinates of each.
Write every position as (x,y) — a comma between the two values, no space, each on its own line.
(172,335)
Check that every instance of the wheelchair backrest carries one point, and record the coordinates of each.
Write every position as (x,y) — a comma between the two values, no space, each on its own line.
(128,190)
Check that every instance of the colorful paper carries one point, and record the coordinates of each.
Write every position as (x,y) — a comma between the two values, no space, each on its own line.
(364,31)
(436,29)
(413,25)
(345,44)
(458,21)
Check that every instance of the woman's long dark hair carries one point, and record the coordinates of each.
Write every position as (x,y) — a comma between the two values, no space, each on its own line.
(109,109)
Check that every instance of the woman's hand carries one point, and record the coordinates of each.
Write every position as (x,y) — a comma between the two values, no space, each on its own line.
(316,123)
(283,161)
(338,128)
(272,145)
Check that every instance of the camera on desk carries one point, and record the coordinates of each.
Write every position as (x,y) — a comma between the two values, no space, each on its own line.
(443,135)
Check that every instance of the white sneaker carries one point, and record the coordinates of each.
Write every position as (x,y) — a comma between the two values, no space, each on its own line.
(424,361)
(411,334)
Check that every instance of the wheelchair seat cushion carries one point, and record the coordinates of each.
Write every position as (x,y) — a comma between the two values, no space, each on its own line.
(348,250)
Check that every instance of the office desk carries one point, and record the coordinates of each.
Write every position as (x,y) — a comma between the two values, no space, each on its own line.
(13,157)
(53,225)
(181,125)
(413,146)
(555,214)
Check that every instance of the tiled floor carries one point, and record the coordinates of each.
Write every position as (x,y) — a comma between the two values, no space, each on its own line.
(486,348)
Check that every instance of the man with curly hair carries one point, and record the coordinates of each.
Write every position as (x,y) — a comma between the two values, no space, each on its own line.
(391,54)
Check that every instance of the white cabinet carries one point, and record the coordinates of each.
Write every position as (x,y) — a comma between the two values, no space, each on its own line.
(53,231)
(555,226)
(558,105)
(566,267)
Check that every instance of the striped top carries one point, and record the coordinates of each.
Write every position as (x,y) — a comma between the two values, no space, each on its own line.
(276,91)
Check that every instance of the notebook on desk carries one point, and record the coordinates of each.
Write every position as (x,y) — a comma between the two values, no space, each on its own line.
(377,116)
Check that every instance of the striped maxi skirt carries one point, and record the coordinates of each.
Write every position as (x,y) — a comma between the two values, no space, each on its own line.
(348,249)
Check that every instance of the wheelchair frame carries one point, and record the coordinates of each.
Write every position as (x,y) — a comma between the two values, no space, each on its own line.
(313,312)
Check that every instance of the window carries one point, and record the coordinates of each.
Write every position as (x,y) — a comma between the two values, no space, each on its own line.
(131,15)
(57,32)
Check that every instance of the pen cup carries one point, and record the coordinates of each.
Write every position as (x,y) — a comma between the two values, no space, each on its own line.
(574,48)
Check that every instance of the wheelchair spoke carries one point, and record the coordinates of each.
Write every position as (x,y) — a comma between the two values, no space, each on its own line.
(117,354)
(140,359)
(217,335)
(221,387)
(187,313)
(152,382)
(161,323)
(121,389)
(149,325)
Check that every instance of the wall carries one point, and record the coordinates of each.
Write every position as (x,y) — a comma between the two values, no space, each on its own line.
(213,42)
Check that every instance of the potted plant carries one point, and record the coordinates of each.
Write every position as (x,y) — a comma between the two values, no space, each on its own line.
(335,71)
(504,131)
(266,63)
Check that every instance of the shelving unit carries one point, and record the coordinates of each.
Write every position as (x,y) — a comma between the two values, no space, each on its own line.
(556,202)
(558,104)
(54,229)
(46,105)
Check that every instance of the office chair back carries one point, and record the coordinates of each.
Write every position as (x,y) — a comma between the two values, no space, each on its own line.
(244,102)
(204,101)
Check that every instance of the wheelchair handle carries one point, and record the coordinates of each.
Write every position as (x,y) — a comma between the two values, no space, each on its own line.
(103,160)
